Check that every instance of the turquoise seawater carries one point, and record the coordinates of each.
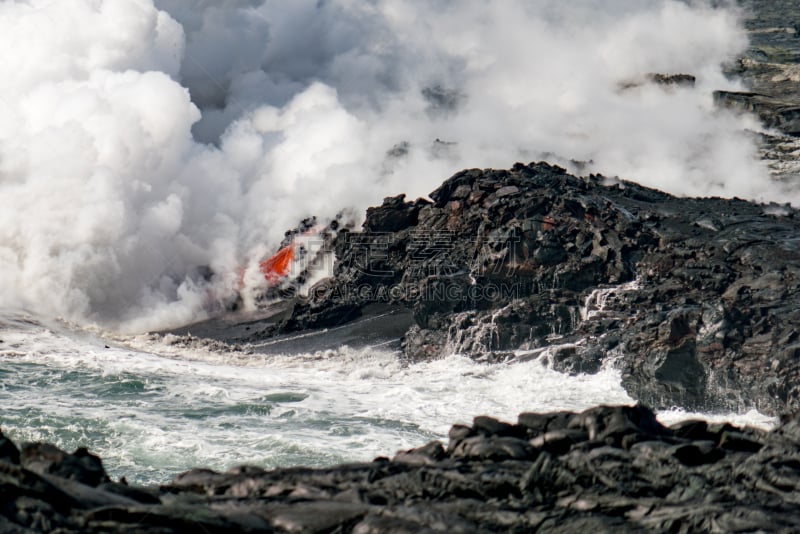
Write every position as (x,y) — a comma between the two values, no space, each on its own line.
(153,406)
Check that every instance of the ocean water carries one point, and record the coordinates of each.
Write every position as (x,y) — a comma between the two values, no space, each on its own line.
(155,406)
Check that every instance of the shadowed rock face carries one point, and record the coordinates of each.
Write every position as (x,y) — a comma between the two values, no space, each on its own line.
(780,113)
(611,469)
(697,300)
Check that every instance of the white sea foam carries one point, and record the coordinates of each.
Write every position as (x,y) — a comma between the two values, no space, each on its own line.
(152,407)
(751,418)
(141,142)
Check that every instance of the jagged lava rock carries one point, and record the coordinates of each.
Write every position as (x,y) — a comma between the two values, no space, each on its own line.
(696,299)
(609,468)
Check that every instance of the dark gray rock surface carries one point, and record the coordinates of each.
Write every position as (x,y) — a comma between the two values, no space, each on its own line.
(609,469)
(696,300)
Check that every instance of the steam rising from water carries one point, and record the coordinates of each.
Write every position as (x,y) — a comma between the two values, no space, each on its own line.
(140,142)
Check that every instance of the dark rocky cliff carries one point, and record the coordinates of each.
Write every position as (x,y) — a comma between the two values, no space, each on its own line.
(696,300)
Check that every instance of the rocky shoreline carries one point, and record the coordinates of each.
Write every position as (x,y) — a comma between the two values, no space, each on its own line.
(696,300)
(610,469)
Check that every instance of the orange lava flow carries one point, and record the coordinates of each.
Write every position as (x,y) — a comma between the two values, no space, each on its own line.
(277,266)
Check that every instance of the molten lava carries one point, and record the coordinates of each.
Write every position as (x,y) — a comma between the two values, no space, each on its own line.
(276,267)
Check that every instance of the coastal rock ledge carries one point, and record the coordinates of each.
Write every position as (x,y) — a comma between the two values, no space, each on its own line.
(695,300)
(607,469)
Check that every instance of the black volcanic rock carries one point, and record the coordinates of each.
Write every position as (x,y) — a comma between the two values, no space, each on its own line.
(81,465)
(782,114)
(697,301)
(394,215)
(8,451)
(609,468)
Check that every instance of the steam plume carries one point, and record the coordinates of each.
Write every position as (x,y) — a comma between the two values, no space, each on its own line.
(140,142)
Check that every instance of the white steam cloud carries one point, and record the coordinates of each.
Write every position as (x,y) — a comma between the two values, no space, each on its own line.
(140,142)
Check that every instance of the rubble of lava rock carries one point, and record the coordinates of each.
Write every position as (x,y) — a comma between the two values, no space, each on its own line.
(608,469)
